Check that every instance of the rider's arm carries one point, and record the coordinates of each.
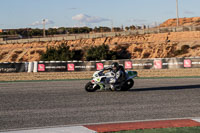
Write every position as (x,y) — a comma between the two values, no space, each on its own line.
(118,74)
(107,68)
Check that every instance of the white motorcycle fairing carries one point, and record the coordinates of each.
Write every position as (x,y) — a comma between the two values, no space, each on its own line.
(101,81)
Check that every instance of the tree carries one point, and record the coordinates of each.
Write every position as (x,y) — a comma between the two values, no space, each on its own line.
(61,30)
(102,29)
(127,28)
(61,53)
(52,31)
(101,52)
(85,30)
(37,32)
(138,27)
(132,27)
(116,29)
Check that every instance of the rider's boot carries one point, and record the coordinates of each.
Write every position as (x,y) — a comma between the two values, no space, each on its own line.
(112,87)
(102,87)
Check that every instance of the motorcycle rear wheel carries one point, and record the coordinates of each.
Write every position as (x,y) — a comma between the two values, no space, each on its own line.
(127,85)
(89,87)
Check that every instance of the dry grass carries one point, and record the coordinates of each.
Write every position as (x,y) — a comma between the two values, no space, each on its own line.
(88,74)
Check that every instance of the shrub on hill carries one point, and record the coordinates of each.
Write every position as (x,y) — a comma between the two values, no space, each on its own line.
(101,52)
(61,53)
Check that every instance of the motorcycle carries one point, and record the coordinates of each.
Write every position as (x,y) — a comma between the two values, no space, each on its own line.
(100,81)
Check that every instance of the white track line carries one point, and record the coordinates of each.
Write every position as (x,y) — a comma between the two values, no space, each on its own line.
(146,120)
(197,120)
(75,129)
(78,128)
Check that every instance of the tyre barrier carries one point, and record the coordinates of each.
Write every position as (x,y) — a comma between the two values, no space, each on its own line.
(70,66)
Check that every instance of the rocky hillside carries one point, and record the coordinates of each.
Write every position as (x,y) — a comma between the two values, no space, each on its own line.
(174,44)
(182,22)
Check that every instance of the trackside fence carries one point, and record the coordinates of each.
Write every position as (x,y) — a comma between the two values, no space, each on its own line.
(71,66)
(104,34)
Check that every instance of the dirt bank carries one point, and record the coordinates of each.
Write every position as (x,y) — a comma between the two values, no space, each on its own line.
(163,45)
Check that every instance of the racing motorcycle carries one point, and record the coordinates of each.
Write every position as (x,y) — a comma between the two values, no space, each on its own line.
(100,81)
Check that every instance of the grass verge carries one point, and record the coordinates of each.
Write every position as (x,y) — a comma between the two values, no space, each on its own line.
(165,130)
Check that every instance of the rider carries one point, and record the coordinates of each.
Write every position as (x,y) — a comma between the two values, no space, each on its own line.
(120,75)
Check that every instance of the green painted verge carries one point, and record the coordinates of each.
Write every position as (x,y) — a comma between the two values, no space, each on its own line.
(165,130)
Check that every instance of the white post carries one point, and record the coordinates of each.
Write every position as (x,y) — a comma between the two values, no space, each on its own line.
(44,34)
(177,16)
(35,68)
(30,67)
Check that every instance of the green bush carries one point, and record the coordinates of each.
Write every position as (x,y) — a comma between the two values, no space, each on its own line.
(61,53)
(101,52)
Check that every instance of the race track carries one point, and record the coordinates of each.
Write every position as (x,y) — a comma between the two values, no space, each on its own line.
(54,103)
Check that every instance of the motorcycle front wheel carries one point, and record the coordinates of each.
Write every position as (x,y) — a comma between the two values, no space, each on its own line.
(89,87)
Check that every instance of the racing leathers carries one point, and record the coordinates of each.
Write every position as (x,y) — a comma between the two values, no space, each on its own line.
(119,77)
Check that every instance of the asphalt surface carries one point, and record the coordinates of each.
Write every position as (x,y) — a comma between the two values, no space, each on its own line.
(54,103)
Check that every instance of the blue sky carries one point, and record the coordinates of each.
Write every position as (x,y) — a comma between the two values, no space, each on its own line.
(71,13)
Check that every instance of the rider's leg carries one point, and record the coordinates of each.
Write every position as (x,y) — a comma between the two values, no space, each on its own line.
(112,83)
